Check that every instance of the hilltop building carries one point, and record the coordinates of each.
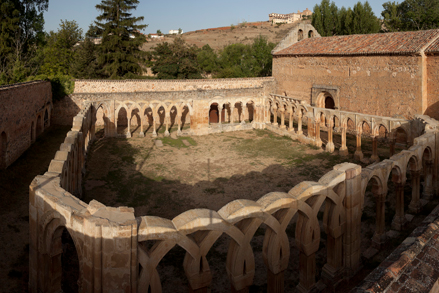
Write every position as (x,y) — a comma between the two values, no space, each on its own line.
(288,18)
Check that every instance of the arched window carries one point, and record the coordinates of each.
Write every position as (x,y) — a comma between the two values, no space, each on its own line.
(300,35)
(310,34)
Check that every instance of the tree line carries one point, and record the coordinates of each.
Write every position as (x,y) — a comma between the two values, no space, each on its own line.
(111,48)
(329,20)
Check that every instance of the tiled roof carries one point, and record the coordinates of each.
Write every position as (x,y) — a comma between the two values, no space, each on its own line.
(433,48)
(370,44)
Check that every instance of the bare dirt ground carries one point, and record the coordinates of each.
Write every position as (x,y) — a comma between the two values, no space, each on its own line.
(218,39)
(211,171)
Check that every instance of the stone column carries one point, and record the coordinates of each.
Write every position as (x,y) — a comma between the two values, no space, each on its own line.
(379,237)
(344,149)
(275,117)
(290,123)
(282,120)
(307,272)
(220,110)
(332,272)
(128,133)
(352,206)
(399,220)
(428,180)
(179,125)
(154,133)
(167,118)
(232,116)
(226,114)
(330,145)
(318,141)
(299,123)
(358,155)
(415,204)
(243,113)
(375,157)
(311,128)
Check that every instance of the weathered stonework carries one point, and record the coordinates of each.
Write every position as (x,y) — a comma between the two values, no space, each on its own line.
(26,109)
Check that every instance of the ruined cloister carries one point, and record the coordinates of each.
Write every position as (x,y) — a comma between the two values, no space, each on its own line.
(120,252)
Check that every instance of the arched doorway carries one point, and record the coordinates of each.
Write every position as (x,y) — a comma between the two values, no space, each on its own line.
(32,133)
(213,113)
(329,103)
(46,119)
(325,100)
(39,125)
(3,149)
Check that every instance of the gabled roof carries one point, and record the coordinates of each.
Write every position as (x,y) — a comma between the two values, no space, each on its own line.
(370,44)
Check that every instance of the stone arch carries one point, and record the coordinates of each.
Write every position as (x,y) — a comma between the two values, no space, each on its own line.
(401,136)
(135,119)
(300,35)
(3,149)
(122,120)
(310,34)
(325,100)
(39,127)
(148,114)
(427,172)
(213,113)
(350,125)
(32,132)
(173,114)
(46,119)
(365,128)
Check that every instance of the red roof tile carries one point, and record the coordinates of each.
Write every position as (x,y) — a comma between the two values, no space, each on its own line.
(370,44)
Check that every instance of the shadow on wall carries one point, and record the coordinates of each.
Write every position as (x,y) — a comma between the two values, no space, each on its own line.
(65,110)
(433,111)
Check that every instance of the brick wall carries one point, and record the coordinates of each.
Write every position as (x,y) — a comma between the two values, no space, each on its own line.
(23,117)
(376,85)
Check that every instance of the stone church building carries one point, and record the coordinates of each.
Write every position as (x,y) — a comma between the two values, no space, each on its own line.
(392,74)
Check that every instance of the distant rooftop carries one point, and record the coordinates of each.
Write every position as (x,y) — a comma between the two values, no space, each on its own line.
(369,44)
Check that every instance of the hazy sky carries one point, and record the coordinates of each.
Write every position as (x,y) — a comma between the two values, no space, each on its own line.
(188,15)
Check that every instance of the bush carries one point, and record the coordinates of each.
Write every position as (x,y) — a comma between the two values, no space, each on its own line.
(62,85)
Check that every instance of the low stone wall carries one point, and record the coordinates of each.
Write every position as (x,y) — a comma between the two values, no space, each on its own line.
(148,85)
(26,110)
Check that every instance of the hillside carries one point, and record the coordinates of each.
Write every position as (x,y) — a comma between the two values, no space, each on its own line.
(218,38)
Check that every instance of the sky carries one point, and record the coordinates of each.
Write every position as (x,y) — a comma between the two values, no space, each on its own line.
(189,15)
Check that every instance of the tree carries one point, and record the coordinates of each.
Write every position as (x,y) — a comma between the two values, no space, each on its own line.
(21,31)
(411,15)
(207,60)
(175,61)
(58,53)
(120,55)
(179,31)
(85,61)
(364,20)
(159,32)
(325,18)
(261,56)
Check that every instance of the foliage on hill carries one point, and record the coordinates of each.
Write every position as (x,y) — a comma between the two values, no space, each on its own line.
(179,60)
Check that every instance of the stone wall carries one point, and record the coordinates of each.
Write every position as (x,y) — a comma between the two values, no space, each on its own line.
(25,113)
(377,85)
(133,86)
(432,108)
